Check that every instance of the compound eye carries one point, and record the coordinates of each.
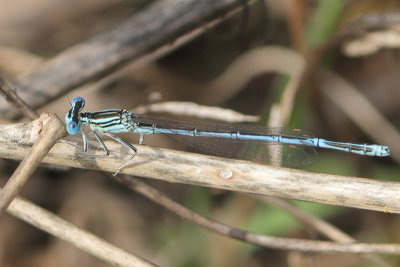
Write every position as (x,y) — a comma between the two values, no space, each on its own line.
(78,100)
(72,127)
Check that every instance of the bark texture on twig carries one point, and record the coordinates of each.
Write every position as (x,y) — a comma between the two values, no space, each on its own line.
(52,129)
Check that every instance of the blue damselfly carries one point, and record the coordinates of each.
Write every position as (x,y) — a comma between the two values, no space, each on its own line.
(297,148)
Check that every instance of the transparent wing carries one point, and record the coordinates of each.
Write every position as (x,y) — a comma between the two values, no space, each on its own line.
(270,153)
(258,151)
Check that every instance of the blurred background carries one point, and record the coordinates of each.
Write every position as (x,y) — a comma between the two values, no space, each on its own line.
(345,58)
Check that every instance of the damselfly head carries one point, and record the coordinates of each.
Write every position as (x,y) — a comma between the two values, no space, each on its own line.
(384,152)
(72,117)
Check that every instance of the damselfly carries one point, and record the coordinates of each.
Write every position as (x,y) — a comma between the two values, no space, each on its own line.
(296,148)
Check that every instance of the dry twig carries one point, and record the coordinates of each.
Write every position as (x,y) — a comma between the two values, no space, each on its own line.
(229,174)
(320,226)
(9,92)
(261,240)
(180,108)
(64,230)
(52,129)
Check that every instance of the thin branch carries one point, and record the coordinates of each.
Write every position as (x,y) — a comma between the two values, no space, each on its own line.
(261,240)
(9,92)
(217,172)
(64,230)
(198,111)
(324,228)
(52,130)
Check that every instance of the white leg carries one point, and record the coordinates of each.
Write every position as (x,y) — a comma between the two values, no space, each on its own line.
(134,149)
(141,137)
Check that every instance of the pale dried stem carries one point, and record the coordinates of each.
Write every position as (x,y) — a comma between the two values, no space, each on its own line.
(198,111)
(261,240)
(202,170)
(64,230)
(52,129)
